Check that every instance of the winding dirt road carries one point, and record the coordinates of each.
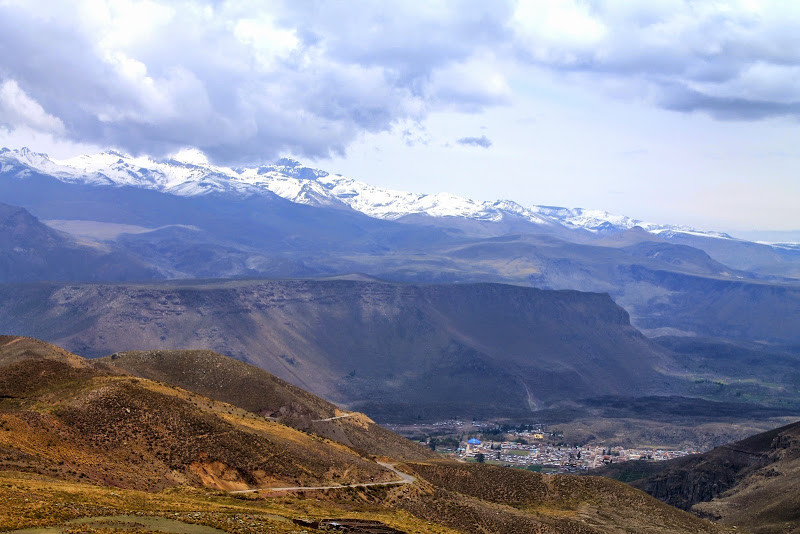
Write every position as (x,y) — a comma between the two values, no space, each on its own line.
(404,479)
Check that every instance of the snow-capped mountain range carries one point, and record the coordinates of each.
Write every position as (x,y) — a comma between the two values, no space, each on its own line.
(189,173)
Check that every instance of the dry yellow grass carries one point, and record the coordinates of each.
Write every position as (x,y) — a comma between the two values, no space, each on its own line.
(78,442)
(28,500)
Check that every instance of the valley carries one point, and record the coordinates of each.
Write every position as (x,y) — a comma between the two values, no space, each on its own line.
(218,311)
(492,350)
(454,267)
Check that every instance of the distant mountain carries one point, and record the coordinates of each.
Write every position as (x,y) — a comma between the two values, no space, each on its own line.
(393,351)
(30,250)
(190,174)
(214,235)
(184,219)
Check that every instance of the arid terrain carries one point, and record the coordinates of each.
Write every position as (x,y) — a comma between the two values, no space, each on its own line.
(391,267)
(753,483)
(94,446)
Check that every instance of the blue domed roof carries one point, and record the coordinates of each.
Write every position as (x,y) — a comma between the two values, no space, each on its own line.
(474,441)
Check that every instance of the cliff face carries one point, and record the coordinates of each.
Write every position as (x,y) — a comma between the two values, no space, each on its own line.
(752,483)
(396,351)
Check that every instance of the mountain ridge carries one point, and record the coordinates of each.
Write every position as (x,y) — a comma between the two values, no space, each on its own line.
(190,174)
(390,350)
(31,250)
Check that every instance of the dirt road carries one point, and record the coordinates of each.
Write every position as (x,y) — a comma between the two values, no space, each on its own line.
(404,479)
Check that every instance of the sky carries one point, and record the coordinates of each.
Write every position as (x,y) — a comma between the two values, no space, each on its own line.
(669,111)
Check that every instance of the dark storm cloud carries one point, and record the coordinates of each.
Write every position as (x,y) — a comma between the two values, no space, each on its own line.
(244,81)
(481,141)
(681,98)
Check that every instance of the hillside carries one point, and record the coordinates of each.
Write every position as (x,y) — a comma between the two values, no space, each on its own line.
(16,349)
(87,448)
(753,483)
(245,386)
(394,351)
(478,498)
(79,421)
(30,250)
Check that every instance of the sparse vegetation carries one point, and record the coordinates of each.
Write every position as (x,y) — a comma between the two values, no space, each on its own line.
(88,441)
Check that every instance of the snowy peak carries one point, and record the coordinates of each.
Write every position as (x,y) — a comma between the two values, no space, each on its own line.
(189,173)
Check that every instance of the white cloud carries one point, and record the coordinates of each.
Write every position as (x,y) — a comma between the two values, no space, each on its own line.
(246,80)
(470,85)
(558,31)
(17,109)
(268,42)
(758,82)
(731,59)
(251,79)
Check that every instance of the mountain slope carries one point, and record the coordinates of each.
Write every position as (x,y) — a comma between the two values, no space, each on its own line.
(391,350)
(80,440)
(227,380)
(87,422)
(753,483)
(30,250)
(477,498)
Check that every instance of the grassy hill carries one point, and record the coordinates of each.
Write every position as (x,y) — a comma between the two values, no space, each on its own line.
(248,387)
(482,498)
(87,447)
(83,422)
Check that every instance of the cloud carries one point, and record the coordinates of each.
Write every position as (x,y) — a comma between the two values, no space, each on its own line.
(481,141)
(732,60)
(245,81)
(18,110)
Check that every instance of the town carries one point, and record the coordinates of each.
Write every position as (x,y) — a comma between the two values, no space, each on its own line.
(555,459)
(532,446)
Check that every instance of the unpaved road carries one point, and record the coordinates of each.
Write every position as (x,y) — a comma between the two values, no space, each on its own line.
(404,479)
(332,418)
(313,420)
